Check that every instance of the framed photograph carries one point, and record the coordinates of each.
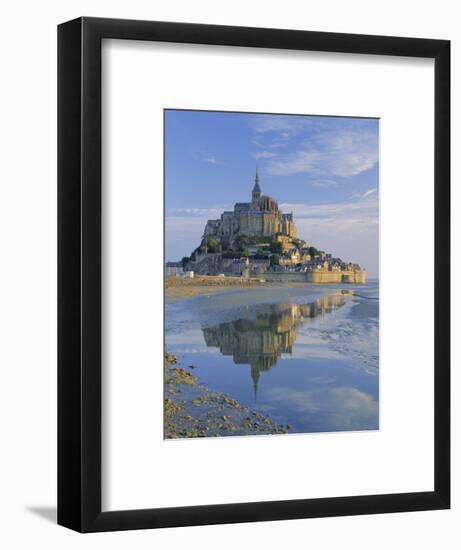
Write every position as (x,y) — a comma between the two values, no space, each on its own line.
(254,274)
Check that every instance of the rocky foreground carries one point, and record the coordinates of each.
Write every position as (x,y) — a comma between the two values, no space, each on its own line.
(192,410)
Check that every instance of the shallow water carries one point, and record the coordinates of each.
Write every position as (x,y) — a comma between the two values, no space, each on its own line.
(307,357)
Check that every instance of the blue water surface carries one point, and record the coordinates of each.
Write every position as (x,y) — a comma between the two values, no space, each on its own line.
(306,356)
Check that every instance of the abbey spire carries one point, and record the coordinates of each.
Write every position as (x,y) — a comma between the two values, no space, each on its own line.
(256,193)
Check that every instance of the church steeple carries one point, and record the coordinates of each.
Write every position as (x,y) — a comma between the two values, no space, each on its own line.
(256,193)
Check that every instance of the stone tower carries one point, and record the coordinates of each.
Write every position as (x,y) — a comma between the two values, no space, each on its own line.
(256,193)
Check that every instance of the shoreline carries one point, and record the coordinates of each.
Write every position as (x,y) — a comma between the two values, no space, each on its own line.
(177,289)
(192,410)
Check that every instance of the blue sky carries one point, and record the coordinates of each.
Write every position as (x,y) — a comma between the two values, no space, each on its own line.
(323,169)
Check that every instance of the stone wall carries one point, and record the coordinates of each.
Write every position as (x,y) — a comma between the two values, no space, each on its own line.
(214,264)
(319,276)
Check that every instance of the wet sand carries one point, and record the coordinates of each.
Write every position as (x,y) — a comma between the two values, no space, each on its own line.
(177,288)
(193,410)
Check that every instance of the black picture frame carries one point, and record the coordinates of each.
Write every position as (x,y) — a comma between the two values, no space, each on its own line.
(79,274)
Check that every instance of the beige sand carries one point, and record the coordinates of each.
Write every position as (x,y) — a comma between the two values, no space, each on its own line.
(178,287)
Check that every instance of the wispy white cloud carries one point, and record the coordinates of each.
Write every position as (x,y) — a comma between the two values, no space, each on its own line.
(264,155)
(345,407)
(182,234)
(315,145)
(274,132)
(365,210)
(348,229)
(212,160)
(183,224)
(284,125)
(369,192)
(343,153)
(265,142)
(200,212)
(184,228)
(323,183)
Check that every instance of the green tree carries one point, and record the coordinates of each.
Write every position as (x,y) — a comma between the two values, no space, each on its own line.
(214,246)
(184,261)
(275,259)
(261,255)
(260,239)
(198,250)
(313,251)
(230,254)
(276,247)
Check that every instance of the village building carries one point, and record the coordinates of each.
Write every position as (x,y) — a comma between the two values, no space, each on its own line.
(174,268)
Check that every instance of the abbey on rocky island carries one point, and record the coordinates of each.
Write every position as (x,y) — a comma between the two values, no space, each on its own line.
(257,239)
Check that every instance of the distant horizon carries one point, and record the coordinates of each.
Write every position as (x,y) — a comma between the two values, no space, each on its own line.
(323,169)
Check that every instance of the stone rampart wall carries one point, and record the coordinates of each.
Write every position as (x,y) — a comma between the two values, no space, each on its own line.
(318,277)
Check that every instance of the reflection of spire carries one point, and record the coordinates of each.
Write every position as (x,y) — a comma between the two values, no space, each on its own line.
(255,374)
(260,341)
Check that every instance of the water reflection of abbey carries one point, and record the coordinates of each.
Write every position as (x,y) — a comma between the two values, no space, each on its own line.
(260,341)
